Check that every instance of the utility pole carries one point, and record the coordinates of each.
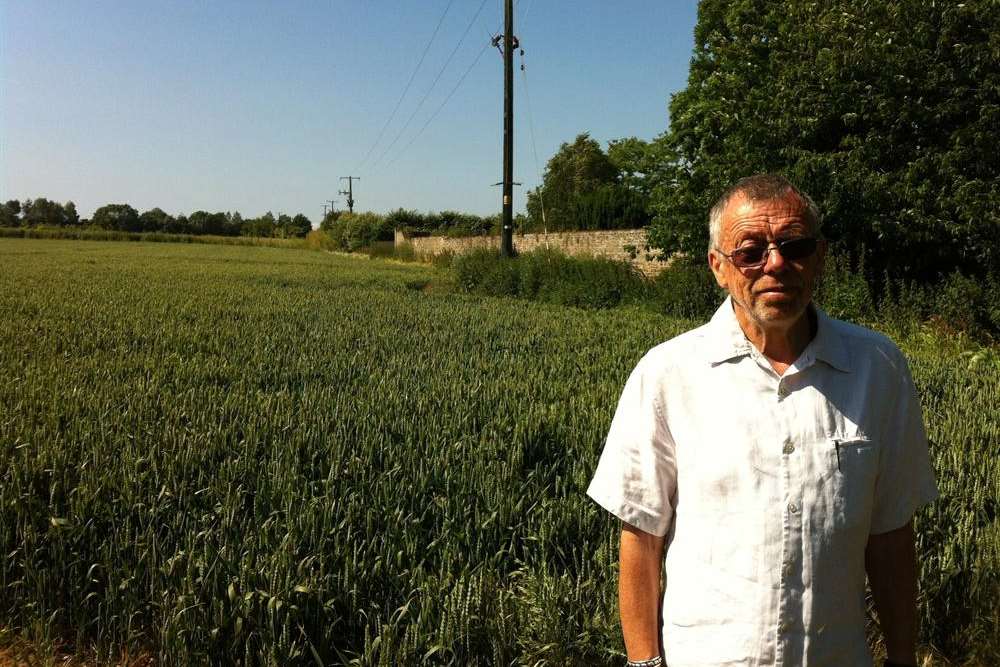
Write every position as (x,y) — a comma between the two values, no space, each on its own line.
(510,43)
(350,191)
(328,206)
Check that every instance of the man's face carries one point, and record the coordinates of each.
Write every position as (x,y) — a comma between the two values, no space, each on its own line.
(777,293)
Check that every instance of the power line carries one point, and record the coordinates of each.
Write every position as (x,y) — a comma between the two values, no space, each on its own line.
(433,84)
(408,84)
(524,14)
(534,146)
(448,97)
(438,110)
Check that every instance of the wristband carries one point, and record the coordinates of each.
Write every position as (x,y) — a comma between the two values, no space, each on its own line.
(652,662)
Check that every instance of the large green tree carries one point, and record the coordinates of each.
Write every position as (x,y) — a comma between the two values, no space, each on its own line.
(10,213)
(44,212)
(300,226)
(157,220)
(120,217)
(585,188)
(576,169)
(203,222)
(887,113)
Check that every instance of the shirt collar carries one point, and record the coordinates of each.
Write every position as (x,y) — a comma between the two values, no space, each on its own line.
(728,340)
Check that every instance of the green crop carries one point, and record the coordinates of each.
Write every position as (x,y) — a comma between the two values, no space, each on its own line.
(269,456)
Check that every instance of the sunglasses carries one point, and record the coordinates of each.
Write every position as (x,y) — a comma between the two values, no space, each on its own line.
(754,256)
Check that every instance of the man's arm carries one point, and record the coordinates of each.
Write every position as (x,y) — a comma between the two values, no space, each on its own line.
(891,563)
(640,560)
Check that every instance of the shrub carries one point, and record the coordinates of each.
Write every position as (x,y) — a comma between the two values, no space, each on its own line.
(483,271)
(960,302)
(445,223)
(358,230)
(686,288)
(320,240)
(991,303)
(843,291)
(552,277)
(957,303)
(443,259)
(586,282)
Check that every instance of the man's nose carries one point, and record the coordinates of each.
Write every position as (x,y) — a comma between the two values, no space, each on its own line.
(775,262)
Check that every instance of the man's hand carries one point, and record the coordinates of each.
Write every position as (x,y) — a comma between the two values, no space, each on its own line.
(640,560)
(891,563)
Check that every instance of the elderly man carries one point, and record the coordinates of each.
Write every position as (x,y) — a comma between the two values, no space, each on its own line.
(766,461)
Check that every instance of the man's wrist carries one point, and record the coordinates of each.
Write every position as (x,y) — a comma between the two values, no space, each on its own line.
(652,662)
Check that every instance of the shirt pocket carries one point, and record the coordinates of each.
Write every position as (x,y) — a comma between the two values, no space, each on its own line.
(851,470)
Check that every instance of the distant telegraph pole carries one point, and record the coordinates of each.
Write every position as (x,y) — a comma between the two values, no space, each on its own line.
(510,43)
(350,191)
(328,206)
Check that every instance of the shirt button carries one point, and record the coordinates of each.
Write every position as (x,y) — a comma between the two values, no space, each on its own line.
(788,448)
(793,508)
(782,391)
(787,569)
(783,628)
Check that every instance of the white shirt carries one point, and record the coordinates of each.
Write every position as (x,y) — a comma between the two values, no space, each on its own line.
(766,486)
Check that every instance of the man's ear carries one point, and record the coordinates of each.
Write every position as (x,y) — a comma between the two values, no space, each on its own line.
(715,263)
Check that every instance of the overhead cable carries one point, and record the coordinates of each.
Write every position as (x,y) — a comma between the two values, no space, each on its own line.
(433,84)
(534,146)
(445,102)
(408,84)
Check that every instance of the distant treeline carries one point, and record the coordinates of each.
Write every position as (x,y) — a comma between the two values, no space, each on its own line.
(42,212)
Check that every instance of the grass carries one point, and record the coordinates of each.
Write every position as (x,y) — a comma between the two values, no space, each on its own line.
(217,455)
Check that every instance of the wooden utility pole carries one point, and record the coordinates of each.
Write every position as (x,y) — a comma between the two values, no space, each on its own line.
(509,44)
(350,191)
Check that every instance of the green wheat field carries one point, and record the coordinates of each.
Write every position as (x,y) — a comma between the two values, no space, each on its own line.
(253,455)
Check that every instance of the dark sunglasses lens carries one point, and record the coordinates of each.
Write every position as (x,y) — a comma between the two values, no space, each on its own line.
(755,255)
(749,255)
(797,248)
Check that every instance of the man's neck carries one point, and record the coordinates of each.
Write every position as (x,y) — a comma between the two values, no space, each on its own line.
(779,343)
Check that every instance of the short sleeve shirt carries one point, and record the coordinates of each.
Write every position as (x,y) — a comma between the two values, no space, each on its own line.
(766,486)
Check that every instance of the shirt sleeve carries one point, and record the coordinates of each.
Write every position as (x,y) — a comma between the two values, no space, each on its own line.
(636,476)
(905,479)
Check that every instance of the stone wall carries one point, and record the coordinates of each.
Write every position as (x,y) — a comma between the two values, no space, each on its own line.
(624,244)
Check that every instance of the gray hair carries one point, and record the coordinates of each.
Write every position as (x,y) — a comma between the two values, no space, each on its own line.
(760,187)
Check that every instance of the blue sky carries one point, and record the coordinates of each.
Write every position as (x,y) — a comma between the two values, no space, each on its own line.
(257,106)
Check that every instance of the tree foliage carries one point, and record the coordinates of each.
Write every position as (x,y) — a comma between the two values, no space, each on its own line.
(582,188)
(41,211)
(354,231)
(156,219)
(10,213)
(443,223)
(121,217)
(886,113)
